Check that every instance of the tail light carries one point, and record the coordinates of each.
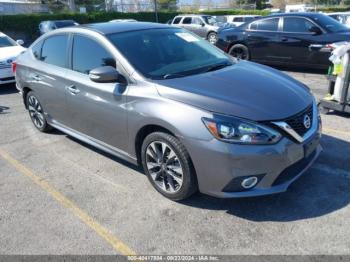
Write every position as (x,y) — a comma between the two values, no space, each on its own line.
(14,67)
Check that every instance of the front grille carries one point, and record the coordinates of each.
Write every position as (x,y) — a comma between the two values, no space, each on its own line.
(292,171)
(4,66)
(296,122)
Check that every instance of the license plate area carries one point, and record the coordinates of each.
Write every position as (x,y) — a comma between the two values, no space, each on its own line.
(311,146)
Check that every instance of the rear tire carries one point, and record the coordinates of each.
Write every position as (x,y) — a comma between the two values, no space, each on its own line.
(36,113)
(168,166)
(239,51)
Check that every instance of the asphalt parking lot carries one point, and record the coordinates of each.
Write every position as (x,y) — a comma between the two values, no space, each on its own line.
(60,196)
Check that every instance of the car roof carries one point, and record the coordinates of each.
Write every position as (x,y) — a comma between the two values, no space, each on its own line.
(304,14)
(111,28)
(192,15)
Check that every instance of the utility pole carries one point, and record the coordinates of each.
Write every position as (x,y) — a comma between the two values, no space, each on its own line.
(156,10)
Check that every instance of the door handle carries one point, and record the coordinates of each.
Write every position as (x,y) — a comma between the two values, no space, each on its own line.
(284,39)
(315,47)
(73,90)
(36,78)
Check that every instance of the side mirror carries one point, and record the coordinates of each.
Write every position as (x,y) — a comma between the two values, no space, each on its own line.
(20,42)
(104,74)
(315,30)
(202,24)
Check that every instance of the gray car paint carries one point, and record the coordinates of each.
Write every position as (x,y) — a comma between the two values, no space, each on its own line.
(110,116)
(227,91)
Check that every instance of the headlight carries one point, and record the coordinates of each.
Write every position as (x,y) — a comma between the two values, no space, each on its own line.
(241,132)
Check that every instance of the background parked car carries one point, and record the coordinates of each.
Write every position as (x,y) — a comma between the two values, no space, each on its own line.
(165,120)
(9,50)
(47,26)
(238,20)
(285,39)
(343,18)
(205,26)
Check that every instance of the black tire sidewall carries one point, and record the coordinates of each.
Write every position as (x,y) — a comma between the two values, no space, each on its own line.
(241,46)
(189,185)
(213,33)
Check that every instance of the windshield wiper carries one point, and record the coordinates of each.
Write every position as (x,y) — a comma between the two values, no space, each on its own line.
(174,75)
(216,67)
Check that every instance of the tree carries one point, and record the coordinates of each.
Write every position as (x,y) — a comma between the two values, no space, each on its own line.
(167,4)
(60,5)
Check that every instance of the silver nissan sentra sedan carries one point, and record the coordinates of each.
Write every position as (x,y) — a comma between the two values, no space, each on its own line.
(161,97)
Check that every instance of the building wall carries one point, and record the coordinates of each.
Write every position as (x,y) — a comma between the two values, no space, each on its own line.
(12,8)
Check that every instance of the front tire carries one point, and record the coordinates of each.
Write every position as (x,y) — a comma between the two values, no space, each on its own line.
(36,113)
(239,51)
(168,166)
(212,37)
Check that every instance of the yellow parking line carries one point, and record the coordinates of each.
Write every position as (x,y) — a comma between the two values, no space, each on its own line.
(117,244)
(331,130)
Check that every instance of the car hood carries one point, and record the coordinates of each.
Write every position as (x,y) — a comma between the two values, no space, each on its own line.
(10,52)
(245,90)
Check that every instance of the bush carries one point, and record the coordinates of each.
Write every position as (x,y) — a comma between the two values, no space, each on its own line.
(334,9)
(28,24)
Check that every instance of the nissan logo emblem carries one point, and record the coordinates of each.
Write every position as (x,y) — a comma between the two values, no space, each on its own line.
(307,121)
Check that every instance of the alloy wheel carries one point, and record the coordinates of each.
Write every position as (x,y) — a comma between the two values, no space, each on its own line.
(239,53)
(164,167)
(36,112)
(212,38)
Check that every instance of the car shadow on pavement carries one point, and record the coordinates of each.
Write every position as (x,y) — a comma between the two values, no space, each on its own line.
(3,109)
(108,155)
(8,89)
(321,190)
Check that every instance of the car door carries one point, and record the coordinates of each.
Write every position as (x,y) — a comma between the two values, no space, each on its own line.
(296,41)
(198,27)
(95,109)
(262,38)
(186,23)
(47,75)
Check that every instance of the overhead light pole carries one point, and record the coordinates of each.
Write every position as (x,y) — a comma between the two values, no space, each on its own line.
(156,10)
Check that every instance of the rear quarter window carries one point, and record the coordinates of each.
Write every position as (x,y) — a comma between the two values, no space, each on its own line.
(54,50)
(36,50)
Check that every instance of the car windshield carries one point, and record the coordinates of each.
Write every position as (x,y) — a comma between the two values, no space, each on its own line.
(6,41)
(210,20)
(169,53)
(61,24)
(330,24)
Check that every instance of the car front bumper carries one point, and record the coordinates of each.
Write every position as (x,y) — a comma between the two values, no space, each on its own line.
(6,76)
(220,167)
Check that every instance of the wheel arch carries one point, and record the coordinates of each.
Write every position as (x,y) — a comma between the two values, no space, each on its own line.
(211,31)
(240,43)
(143,132)
(25,91)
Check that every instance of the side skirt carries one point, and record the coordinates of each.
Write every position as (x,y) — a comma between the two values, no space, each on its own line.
(94,142)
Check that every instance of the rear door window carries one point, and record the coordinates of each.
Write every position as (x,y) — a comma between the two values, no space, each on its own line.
(187,20)
(89,54)
(270,24)
(177,20)
(54,50)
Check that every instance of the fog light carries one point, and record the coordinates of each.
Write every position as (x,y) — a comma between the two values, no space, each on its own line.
(249,182)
